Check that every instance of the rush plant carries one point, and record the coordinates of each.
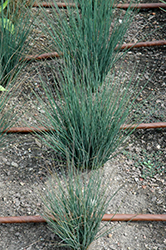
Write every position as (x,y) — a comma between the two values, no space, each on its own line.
(12,39)
(86,125)
(75,205)
(91,35)
(7,22)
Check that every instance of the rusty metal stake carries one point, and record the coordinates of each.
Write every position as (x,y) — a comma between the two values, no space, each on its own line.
(106,217)
(44,129)
(120,6)
(124,46)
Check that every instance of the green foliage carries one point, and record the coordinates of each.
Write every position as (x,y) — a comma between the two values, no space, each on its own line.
(75,205)
(2,88)
(12,40)
(150,164)
(86,123)
(6,22)
(89,36)
(162,8)
(4,5)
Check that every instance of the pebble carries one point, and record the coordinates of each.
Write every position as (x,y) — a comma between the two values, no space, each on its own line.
(16,202)
(136,179)
(38,143)
(14,164)
(4,159)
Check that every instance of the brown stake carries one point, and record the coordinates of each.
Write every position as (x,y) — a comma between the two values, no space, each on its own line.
(142,6)
(50,5)
(134,217)
(143,44)
(43,129)
(42,56)
(120,6)
(124,46)
(145,125)
(106,217)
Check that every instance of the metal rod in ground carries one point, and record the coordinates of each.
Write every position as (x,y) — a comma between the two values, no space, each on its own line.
(106,217)
(43,129)
(124,46)
(42,56)
(120,6)
(134,217)
(145,125)
(142,6)
(143,44)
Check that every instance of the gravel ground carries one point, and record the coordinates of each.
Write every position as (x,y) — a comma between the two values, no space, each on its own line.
(25,161)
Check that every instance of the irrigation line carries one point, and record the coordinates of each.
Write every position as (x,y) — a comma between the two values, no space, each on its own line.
(106,217)
(124,46)
(44,129)
(119,6)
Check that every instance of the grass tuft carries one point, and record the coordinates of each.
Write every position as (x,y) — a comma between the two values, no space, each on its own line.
(14,30)
(87,124)
(89,36)
(75,205)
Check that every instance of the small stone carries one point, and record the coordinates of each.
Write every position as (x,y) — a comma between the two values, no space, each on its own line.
(136,179)
(38,143)
(154,199)
(22,183)
(42,111)
(17,202)
(14,164)
(158,147)
(109,235)
(29,248)
(4,159)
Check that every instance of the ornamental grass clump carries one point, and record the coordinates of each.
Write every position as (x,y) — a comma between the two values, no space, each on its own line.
(14,31)
(90,34)
(74,206)
(86,125)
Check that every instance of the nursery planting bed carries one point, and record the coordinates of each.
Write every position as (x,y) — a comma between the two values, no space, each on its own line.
(25,162)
